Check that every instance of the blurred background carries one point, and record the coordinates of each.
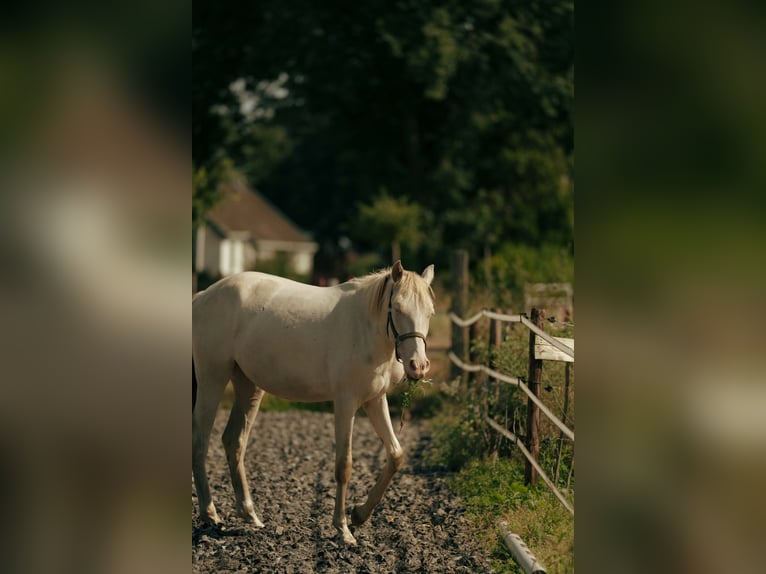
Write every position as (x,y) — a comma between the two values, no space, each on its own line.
(671,137)
(95,172)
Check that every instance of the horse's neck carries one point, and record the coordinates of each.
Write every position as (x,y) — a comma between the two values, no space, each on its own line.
(381,344)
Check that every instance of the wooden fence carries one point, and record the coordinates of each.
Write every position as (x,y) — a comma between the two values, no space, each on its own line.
(542,346)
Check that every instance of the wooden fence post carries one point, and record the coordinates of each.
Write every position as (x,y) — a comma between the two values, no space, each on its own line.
(495,340)
(567,371)
(473,354)
(459,307)
(571,470)
(533,412)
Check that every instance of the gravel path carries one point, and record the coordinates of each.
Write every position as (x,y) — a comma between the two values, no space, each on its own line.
(418,527)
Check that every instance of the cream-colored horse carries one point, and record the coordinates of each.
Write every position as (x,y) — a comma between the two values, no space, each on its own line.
(349,343)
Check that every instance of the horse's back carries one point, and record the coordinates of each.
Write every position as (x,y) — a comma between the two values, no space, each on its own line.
(220,306)
(238,290)
(274,329)
(281,309)
(258,305)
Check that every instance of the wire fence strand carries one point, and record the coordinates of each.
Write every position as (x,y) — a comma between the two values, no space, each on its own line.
(460,322)
(519,383)
(484,313)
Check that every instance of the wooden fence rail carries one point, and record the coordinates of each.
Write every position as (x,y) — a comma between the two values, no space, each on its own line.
(515,439)
(484,313)
(471,368)
(513,381)
(541,346)
(513,319)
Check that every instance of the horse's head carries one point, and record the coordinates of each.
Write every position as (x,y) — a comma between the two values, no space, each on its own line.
(411,306)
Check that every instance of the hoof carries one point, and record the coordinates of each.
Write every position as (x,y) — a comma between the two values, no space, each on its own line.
(252,518)
(211,521)
(357,518)
(348,538)
(209,516)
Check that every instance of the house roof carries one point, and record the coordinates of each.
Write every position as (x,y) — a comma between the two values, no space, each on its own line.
(244,210)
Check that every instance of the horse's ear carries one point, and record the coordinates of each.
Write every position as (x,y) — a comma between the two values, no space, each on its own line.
(397,271)
(428,274)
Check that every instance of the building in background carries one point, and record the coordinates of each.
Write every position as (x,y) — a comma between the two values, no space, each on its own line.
(245,232)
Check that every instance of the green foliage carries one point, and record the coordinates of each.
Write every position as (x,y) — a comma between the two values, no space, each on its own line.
(276,404)
(457,441)
(252,150)
(392,221)
(280,265)
(364,264)
(493,489)
(206,183)
(490,470)
(513,266)
(465,106)
(460,430)
(262,147)
(413,389)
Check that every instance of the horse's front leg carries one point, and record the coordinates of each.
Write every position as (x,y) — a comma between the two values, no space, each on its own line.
(344,426)
(377,412)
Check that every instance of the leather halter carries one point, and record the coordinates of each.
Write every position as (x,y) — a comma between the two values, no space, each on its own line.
(397,337)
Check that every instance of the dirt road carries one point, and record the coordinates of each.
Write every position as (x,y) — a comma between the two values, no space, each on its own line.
(418,527)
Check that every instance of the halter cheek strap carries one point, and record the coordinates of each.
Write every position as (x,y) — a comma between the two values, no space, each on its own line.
(397,337)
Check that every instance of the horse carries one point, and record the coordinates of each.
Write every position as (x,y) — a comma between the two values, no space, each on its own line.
(349,343)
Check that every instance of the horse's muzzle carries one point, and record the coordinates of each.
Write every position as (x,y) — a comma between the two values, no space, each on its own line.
(417,369)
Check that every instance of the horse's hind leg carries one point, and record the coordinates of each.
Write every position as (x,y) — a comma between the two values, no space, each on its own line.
(344,426)
(211,383)
(377,413)
(247,400)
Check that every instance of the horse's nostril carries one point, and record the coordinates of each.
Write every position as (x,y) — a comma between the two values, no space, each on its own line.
(413,365)
(427,366)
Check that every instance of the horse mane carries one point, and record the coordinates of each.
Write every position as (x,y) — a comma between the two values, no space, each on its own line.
(375,283)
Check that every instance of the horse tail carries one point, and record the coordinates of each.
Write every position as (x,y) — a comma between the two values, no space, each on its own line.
(194,386)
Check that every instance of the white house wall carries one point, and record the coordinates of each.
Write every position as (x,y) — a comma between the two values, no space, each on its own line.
(303,263)
(232,256)
(199,250)
(223,256)
(212,252)
(301,254)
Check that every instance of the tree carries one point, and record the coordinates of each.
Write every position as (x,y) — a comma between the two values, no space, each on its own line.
(465,107)
(393,221)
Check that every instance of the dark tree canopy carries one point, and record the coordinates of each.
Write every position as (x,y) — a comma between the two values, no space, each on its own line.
(464,108)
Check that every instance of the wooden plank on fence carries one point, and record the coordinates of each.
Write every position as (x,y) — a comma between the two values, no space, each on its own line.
(552,340)
(544,350)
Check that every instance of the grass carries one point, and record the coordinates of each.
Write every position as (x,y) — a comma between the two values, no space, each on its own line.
(494,489)
(271,403)
(488,469)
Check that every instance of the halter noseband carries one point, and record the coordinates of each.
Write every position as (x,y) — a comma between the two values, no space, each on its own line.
(397,337)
